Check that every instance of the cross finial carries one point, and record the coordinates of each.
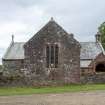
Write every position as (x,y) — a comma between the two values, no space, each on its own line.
(52,19)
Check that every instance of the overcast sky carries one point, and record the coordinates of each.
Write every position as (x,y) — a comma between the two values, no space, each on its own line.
(24,18)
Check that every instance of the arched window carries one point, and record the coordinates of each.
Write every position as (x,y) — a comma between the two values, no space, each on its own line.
(52,54)
(47,55)
(52,51)
(56,56)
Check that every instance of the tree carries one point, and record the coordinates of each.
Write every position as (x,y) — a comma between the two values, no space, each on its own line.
(102,32)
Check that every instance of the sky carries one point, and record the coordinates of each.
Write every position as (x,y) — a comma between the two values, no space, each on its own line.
(23,18)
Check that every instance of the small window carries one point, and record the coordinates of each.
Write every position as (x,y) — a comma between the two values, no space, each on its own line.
(52,51)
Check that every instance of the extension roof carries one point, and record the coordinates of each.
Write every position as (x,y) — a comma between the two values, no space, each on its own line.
(14,51)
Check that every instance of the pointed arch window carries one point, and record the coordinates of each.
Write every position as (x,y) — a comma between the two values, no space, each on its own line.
(52,51)
(47,55)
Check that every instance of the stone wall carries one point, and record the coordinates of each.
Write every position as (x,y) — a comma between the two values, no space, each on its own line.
(13,64)
(87,70)
(12,74)
(93,78)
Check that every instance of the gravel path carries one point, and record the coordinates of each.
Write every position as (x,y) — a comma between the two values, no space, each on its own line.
(80,98)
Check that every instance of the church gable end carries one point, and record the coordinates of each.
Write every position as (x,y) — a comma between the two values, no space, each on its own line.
(53,55)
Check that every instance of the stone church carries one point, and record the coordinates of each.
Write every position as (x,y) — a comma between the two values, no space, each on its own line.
(54,56)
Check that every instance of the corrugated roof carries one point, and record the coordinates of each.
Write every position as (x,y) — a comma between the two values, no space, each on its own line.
(89,50)
(15,51)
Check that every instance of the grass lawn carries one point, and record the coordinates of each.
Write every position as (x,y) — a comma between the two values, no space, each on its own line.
(43,90)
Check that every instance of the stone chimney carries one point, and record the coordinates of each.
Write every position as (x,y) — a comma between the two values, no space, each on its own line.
(98,37)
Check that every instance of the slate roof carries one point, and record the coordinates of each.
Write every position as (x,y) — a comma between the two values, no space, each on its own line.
(15,51)
(89,50)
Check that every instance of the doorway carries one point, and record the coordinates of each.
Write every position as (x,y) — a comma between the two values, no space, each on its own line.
(100,67)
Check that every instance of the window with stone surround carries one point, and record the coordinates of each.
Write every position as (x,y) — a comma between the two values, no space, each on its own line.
(52,55)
